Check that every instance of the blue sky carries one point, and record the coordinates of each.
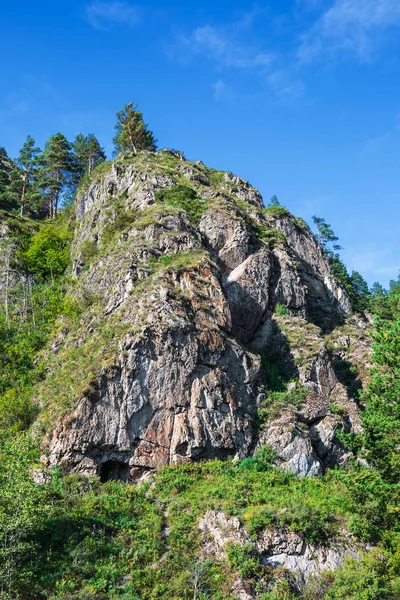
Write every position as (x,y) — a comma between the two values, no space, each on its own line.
(301,97)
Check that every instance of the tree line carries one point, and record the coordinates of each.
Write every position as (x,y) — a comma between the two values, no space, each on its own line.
(37,182)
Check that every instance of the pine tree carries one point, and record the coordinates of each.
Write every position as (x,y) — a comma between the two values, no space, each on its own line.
(325,235)
(96,153)
(87,154)
(132,132)
(360,290)
(273,201)
(57,167)
(377,289)
(7,202)
(381,419)
(22,176)
(79,150)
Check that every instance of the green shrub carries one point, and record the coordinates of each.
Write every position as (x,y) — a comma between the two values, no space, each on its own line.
(89,250)
(276,211)
(275,402)
(185,198)
(337,409)
(123,221)
(48,253)
(270,235)
(314,523)
(277,373)
(281,310)
(261,461)
(17,411)
(244,560)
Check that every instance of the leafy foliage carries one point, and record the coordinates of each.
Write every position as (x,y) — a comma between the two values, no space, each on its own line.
(22,509)
(48,252)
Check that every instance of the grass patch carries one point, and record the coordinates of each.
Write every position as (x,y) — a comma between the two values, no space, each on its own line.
(184,198)
(276,211)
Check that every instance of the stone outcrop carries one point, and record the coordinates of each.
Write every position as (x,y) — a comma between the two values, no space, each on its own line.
(194,293)
(277,548)
(305,437)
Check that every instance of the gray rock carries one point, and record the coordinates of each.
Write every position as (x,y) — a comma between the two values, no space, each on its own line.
(278,548)
(186,381)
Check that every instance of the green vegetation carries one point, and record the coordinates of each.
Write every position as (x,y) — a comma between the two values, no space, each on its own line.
(276,210)
(281,310)
(87,154)
(82,539)
(31,308)
(184,198)
(132,133)
(381,418)
(273,201)
(49,249)
(269,235)
(73,538)
(37,182)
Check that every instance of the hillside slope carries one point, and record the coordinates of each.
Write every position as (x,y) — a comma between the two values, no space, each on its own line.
(174,360)
(181,354)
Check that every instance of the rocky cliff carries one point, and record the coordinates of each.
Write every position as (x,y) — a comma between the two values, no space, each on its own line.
(210,326)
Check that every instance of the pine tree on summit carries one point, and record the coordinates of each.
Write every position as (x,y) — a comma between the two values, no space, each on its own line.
(132,132)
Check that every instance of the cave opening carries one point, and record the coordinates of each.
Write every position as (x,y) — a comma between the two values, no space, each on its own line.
(114,469)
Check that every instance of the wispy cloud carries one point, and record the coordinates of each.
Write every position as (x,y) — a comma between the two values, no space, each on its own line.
(106,15)
(286,87)
(226,51)
(223,49)
(375,144)
(222,91)
(356,26)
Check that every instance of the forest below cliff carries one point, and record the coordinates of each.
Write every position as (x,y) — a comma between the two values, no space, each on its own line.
(71,528)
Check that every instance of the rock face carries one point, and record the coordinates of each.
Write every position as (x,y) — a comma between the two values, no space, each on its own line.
(193,290)
(278,548)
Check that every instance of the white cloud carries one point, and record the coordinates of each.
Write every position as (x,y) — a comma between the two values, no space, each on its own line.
(225,49)
(222,49)
(375,144)
(356,26)
(222,91)
(285,86)
(105,15)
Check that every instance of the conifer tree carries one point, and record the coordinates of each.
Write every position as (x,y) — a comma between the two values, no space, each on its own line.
(381,418)
(360,290)
(273,201)
(57,167)
(6,166)
(377,289)
(325,235)
(22,176)
(87,154)
(95,154)
(132,132)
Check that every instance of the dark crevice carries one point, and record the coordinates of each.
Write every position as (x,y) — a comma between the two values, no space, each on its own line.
(114,470)
(347,376)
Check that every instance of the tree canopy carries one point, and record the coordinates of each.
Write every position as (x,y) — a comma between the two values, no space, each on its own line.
(132,133)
